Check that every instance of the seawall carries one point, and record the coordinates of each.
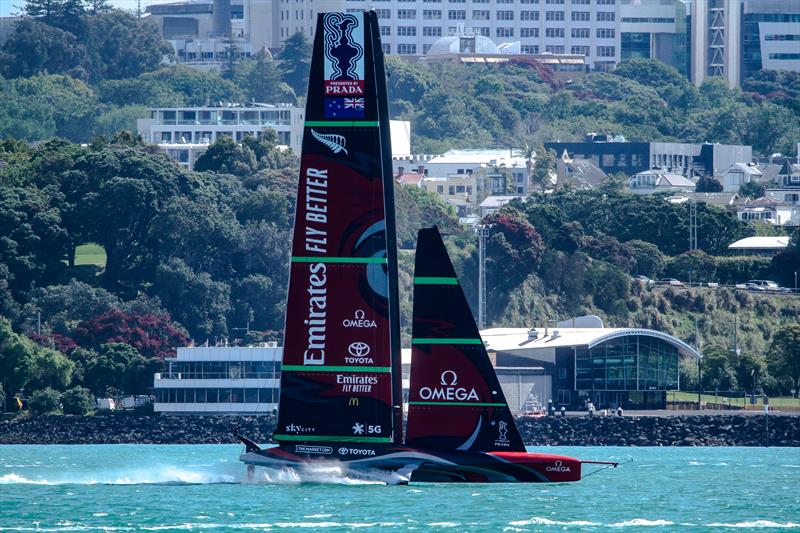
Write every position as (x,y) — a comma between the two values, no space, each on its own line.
(680,430)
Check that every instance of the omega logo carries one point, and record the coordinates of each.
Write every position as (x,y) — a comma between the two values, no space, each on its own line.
(449,389)
(558,466)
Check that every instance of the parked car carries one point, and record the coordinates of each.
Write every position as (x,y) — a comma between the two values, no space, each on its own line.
(670,281)
(763,285)
(644,280)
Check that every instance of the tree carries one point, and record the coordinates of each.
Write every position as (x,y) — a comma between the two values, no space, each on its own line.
(121,45)
(50,369)
(260,80)
(717,370)
(708,184)
(227,156)
(693,266)
(544,168)
(295,63)
(752,189)
(61,305)
(35,47)
(67,15)
(608,286)
(650,261)
(151,335)
(783,358)
(513,250)
(77,401)
(198,88)
(115,370)
(16,360)
(44,401)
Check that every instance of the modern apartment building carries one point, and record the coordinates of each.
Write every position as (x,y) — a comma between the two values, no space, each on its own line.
(203,125)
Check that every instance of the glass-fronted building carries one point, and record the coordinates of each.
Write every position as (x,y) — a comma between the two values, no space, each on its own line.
(220,380)
(610,367)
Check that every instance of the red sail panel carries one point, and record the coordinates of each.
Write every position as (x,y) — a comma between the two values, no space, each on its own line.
(455,399)
(337,381)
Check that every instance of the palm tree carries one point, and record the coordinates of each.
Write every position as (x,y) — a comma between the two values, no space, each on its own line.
(529,153)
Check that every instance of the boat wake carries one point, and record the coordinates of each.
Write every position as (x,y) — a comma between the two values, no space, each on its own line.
(231,474)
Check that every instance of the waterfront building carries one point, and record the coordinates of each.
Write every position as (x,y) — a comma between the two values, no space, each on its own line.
(219,380)
(580,360)
(767,246)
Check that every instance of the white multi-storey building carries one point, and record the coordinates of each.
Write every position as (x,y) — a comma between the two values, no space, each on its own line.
(203,125)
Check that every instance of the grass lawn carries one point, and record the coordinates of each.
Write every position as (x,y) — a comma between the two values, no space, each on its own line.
(782,402)
(90,254)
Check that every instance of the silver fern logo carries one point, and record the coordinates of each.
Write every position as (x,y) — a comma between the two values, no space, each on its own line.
(337,143)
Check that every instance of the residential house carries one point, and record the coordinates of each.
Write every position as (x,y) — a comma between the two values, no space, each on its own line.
(581,174)
(492,203)
(740,174)
(788,184)
(767,209)
(653,181)
(720,199)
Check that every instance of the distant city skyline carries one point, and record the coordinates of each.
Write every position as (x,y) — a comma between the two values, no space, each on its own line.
(9,7)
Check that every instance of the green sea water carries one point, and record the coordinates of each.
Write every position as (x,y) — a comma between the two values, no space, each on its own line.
(155,488)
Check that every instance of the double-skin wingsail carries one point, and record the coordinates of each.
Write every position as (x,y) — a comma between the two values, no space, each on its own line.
(455,399)
(340,378)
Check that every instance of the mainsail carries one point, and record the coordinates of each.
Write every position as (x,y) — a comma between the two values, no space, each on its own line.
(455,399)
(340,378)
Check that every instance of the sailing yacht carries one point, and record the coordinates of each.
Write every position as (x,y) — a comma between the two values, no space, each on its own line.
(341,399)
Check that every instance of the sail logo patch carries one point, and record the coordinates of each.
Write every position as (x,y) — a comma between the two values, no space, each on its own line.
(449,390)
(337,143)
(502,435)
(343,108)
(358,354)
(323,450)
(359,321)
(344,54)
(352,383)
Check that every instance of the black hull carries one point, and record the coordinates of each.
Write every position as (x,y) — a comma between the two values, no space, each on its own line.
(421,465)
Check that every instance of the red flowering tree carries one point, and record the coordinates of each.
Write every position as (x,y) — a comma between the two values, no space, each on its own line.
(153,335)
(513,250)
(57,341)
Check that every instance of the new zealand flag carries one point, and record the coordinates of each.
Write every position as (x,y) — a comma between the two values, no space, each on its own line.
(344,108)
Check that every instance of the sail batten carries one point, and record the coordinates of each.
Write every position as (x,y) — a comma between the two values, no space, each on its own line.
(338,379)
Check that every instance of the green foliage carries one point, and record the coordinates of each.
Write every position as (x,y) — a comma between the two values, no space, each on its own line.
(17,362)
(44,401)
(694,266)
(417,208)
(708,184)
(717,370)
(739,269)
(77,401)
(787,262)
(35,47)
(117,368)
(118,118)
(260,80)
(649,260)
(513,250)
(195,88)
(608,286)
(784,355)
(752,189)
(295,62)
(228,157)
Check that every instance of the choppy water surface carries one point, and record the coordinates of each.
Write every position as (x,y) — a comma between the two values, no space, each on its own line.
(132,487)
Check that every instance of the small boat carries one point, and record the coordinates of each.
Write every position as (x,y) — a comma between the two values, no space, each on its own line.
(341,399)
(532,408)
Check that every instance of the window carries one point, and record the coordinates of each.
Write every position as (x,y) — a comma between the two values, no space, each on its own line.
(383,13)
(554,49)
(580,2)
(457,14)
(581,16)
(606,16)
(606,51)
(580,50)
(606,33)
(386,30)
(460,188)
(387,48)
(580,33)
(554,15)
(563,397)
(407,31)
(504,1)
(480,14)
(529,15)
(457,1)
(528,1)
(529,49)
(432,1)
(451,189)
(782,37)
(784,56)
(554,1)
(606,2)
(440,189)
(505,15)
(554,32)
(406,49)
(406,14)
(562,372)
(483,30)
(432,14)
(529,32)
(505,32)
(429,31)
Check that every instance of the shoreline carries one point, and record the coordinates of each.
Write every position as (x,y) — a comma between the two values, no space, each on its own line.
(651,430)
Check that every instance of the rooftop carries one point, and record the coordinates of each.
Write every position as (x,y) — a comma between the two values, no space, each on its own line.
(760,243)
(511,339)
(479,158)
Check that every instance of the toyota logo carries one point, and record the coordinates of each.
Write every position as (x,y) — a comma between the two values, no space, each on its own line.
(342,451)
(358,349)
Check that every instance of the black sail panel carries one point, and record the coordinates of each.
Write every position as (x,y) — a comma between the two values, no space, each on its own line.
(342,326)
(455,398)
